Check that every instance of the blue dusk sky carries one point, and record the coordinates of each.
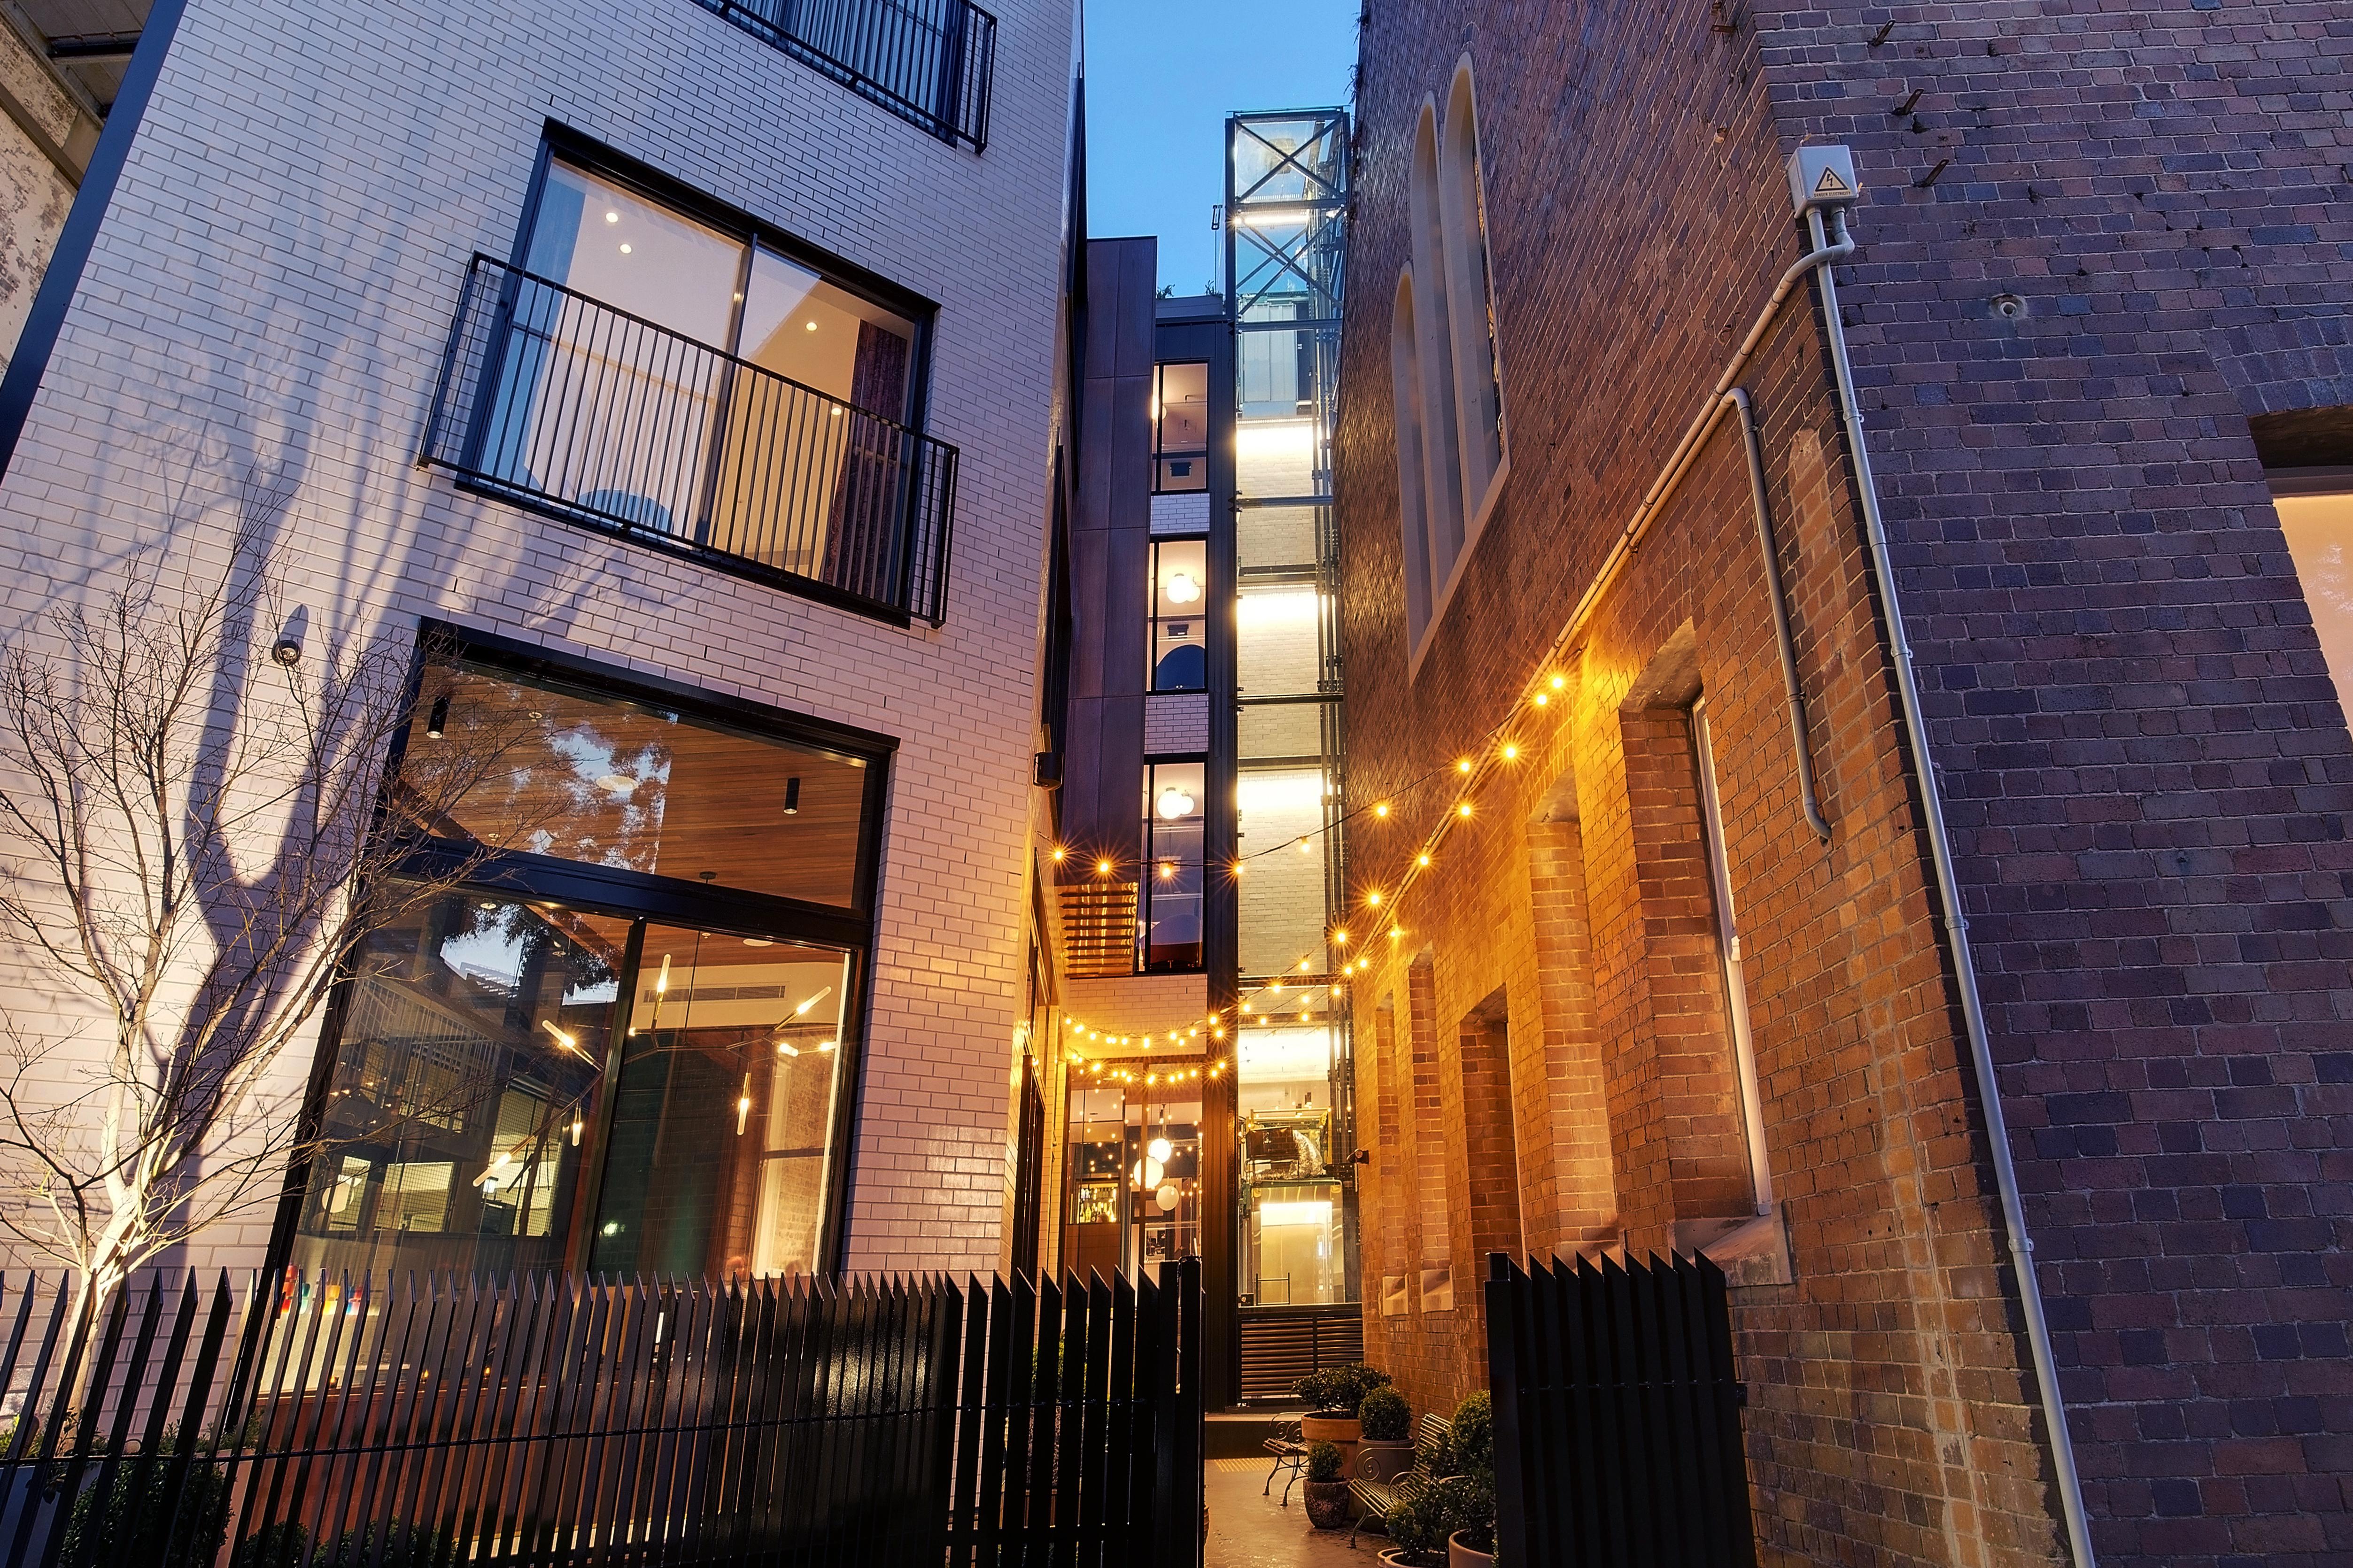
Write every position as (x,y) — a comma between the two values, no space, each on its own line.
(1162,78)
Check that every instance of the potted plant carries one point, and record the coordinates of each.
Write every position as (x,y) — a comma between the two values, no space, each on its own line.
(1417,1529)
(1471,1490)
(1332,1397)
(1385,1422)
(1327,1494)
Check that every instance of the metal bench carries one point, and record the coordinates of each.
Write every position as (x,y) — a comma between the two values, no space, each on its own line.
(1290,1451)
(1376,1497)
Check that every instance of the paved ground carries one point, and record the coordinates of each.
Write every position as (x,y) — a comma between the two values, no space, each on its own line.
(1248,1531)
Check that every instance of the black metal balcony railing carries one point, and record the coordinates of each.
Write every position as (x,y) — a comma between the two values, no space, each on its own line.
(925,60)
(559,402)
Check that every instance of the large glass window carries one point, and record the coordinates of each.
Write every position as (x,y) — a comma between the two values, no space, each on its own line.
(1180,427)
(468,1072)
(689,378)
(1133,1198)
(618,1042)
(726,1108)
(636,787)
(1176,797)
(1180,642)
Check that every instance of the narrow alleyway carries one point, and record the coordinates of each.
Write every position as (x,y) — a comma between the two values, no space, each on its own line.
(1247,1530)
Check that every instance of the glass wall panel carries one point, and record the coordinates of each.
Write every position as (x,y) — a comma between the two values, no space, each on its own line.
(1294,1213)
(726,1112)
(1278,650)
(465,1077)
(1280,898)
(590,777)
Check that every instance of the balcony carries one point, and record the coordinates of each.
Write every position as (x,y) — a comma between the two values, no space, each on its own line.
(557,402)
(928,61)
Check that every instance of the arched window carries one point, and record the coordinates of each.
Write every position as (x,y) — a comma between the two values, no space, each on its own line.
(1413,494)
(1445,375)
(1470,296)
(1441,443)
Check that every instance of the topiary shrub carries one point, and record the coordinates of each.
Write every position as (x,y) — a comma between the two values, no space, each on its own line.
(1386,1415)
(1471,1439)
(1340,1388)
(1417,1527)
(1324,1462)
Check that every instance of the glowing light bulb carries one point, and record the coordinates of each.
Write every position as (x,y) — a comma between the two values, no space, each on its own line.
(1102,867)
(1060,854)
(1167,870)
(563,1039)
(802,1010)
(575,1130)
(744,1107)
(1181,588)
(1305,847)
(1373,898)
(1542,698)
(661,980)
(1463,766)
(1380,808)
(1559,683)
(1175,803)
(1511,751)
(1463,809)
(1160,1148)
(1305,967)
(1340,936)
(785,1048)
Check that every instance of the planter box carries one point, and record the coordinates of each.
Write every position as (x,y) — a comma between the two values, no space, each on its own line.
(1460,1556)
(1327,1504)
(1383,1461)
(1340,1426)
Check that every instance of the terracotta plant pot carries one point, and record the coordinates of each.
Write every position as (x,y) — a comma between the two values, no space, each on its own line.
(1460,1556)
(1382,1461)
(1327,1504)
(1338,1426)
(1397,1558)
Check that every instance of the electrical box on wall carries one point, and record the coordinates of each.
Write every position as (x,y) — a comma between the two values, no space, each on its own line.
(1821,177)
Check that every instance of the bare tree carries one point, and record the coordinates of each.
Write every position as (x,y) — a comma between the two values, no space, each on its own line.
(198,836)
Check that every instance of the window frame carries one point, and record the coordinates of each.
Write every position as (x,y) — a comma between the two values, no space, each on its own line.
(1161,454)
(1147,867)
(1154,619)
(560,143)
(643,897)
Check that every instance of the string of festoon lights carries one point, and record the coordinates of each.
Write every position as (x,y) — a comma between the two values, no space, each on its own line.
(1381,900)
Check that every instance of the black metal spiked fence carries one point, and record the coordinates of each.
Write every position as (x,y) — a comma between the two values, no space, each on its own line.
(1617,1415)
(554,1421)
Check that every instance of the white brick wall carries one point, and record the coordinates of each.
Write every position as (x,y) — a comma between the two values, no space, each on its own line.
(272,295)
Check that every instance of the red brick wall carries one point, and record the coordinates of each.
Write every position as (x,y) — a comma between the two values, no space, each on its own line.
(2143,757)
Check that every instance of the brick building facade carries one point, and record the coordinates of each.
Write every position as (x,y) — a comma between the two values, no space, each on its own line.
(2099,286)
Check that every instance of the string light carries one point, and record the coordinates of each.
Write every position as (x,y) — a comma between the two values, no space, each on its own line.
(1373,898)
(1463,766)
(1102,867)
(1511,751)
(1060,854)
(1380,808)
(1463,809)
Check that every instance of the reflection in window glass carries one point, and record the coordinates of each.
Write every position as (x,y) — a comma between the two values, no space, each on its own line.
(1180,427)
(1180,639)
(2319,529)
(724,1117)
(1135,1178)
(807,329)
(466,1073)
(614,783)
(1175,797)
